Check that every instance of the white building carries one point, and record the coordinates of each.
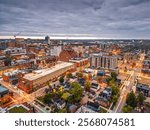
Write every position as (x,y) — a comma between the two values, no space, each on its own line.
(103,61)
(15,51)
(55,50)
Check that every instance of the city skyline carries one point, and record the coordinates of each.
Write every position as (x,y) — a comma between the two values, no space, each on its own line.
(97,18)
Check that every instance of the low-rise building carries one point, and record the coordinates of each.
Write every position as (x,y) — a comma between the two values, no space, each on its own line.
(84,109)
(93,105)
(145,89)
(90,107)
(39,78)
(146,67)
(104,97)
(80,62)
(13,76)
(4,95)
(18,109)
(15,51)
(95,86)
(60,104)
(67,54)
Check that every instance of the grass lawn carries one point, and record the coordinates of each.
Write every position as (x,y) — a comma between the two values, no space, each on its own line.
(19,109)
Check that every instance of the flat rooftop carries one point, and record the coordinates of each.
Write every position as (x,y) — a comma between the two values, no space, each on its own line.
(84,109)
(78,59)
(3,89)
(43,72)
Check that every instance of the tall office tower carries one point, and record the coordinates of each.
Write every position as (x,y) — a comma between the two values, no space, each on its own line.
(47,39)
(103,61)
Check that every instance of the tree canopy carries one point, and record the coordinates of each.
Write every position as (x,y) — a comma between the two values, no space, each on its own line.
(76,91)
(140,98)
(131,100)
(87,85)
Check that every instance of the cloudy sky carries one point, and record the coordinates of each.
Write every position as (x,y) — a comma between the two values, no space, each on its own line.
(102,18)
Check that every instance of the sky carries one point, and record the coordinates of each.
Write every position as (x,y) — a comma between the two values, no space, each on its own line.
(97,18)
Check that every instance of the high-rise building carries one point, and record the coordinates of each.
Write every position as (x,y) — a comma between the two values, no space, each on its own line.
(103,61)
(47,39)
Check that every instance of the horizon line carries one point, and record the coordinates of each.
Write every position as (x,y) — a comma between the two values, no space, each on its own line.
(75,37)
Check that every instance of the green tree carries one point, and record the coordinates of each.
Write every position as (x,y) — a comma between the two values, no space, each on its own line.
(64,110)
(114,75)
(76,91)
(87,85)
(127,109)
(108,80)
(115,99)
(65,96)
(47,98)
(112,82)
(61,79)
(131,100)
(69,75)
(140,98)
(80,75)
(115,90)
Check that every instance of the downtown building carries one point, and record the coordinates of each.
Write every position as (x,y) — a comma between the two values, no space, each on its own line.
(39,78)
(103,61)
(146,65)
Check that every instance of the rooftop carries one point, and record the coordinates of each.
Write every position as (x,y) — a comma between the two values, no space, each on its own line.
(102,54)
(3,89)
(18,109)
(15,72)
(43,72)
(78,59)
(93,105)
(84,109)
(143,86)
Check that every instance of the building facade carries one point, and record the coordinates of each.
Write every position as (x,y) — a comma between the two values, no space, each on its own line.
(103,61)
(37,79)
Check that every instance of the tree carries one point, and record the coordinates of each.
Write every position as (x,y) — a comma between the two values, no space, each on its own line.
(131,100)
(115,90)
(61,79)
(65,96)
(47,98)
(108,80)
(76,91)
(112,82)
(87,86)
(140,98)
(64,110)
(115,99)
(127,109)
(69,75)
(79,75)
(114,75)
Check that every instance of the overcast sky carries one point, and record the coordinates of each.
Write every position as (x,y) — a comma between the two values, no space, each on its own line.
(104,18)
